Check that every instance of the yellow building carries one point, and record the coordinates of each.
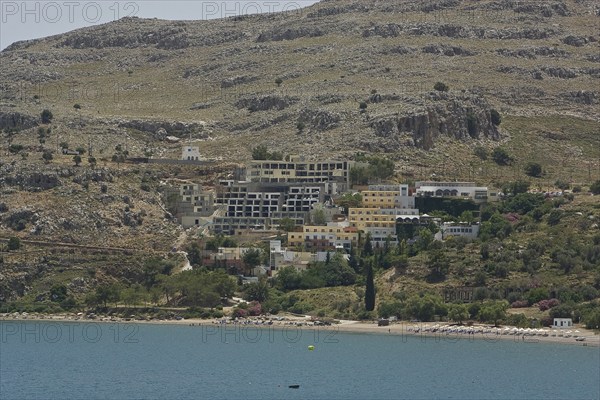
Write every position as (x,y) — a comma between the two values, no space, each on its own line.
(365,217)
(319,237)
(388,196)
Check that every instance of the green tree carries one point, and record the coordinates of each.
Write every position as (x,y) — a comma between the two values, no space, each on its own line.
(108,294)
(369,289)
(92,161)
(349,200)
(319,217)
(288,278)
(472,125)
(278,81)
(287,224)
(458,313)
(14,243)
(493,312)
(440,87)
(438,264)
(381,168)
(258,291)
(77,160)
(194,254)
(554,217)
(368,247)
(251,258)
(46,116)
(260,152)
(501,156)
(533,169)
(47,156)
(58,293)
(516,187)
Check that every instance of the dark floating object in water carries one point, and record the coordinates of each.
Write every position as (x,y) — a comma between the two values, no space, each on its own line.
(294,386)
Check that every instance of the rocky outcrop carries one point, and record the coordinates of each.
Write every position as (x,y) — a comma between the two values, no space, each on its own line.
(576,41)
(583,97)
(533,52)
(320,120)
(559,72)
(545,9)
(264,103)
(16,120)
(20,218)
(16,279)
(32,181)
(237,80)
(461,117)
(388,30)
(287,33)
(447,50)
(161,129)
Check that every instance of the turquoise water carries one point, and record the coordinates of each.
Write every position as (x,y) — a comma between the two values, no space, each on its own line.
(133,361)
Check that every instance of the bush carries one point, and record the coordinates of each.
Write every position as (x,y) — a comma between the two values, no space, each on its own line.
(14,243)
(519,304)
(548,304)
(595,187)
(554,217)
(15,148)
(481,152)
(495,117)
(46,116)
(562,185)
(536,295)
(533,169)
(501,156)
(440,87)
(472,125)
(47,155)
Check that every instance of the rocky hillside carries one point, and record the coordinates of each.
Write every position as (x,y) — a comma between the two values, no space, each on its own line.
(329,80)
(263,77)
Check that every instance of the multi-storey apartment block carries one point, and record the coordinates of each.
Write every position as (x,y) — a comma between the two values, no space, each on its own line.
(249,205)
(335,175)
(334,236)
(388,196)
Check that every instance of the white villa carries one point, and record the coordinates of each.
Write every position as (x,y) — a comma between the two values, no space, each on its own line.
(190,153)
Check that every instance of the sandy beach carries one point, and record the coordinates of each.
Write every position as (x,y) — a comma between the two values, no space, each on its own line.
(440,332)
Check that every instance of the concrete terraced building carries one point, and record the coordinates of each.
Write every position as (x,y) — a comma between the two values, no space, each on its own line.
(335,175)
(194,205)
(252,205)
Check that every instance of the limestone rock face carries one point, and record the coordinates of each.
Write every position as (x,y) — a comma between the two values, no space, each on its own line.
(463,118)
(16,120)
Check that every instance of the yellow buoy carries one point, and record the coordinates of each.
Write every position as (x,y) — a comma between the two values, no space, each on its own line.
(311,347)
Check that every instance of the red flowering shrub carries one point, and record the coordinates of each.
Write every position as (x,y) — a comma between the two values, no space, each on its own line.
(519,304)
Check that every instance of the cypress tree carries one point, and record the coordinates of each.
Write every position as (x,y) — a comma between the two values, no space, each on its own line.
(369,289)
(368,247)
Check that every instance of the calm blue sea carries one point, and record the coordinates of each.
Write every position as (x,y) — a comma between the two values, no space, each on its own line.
(134,361)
